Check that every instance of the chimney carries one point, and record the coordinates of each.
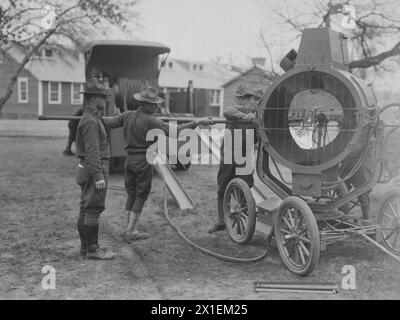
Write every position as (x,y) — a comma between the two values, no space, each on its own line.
(258,61)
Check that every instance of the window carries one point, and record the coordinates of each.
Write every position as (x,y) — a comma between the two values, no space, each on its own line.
(195,67)
(54,92)
(76,97)
(170,65)
(48,53)
(201,67)
(215,97)
(22,90)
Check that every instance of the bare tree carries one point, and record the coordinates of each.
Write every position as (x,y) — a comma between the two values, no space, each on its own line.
(376,32)
(30,24)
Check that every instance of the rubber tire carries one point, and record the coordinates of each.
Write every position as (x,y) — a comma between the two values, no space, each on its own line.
(309,218)
(389,196)
(251,209)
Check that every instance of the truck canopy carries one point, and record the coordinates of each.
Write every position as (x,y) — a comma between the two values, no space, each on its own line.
(127,65)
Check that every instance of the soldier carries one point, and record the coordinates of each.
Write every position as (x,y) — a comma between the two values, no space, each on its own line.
(93,151)
(138,171)
(360,177)
(72,127)
(244,110)
(258,94)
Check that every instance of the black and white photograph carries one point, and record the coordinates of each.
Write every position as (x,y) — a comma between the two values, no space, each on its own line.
(207,152)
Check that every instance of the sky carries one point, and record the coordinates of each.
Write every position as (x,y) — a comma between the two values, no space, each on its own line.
(203,30)
(206,29)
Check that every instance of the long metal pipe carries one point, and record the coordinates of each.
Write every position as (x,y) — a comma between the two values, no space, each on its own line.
(322,287)
(177,119)
(168,119)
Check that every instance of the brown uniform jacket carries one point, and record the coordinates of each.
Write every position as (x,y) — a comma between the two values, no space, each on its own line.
(92,144)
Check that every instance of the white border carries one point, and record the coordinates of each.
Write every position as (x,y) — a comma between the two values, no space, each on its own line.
(40,98)
(20,80)
(74,102)
(212,103)
(58,101)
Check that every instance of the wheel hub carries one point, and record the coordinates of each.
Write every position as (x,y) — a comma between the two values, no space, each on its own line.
(295,234)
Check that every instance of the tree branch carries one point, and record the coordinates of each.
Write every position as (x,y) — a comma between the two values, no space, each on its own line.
(269,52)
(375,60)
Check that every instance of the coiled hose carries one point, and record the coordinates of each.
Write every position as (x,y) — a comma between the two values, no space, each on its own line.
(204,250)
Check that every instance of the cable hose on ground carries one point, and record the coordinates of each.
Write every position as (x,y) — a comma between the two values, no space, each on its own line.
(206,251)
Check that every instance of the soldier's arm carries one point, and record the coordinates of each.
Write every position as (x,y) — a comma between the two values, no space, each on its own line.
(90,136)
(168,127)
(117,121)
(236,113)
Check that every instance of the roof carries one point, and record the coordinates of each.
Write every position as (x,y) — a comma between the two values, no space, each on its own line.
(157,47)
(56,69)
(267,73)
(212,76)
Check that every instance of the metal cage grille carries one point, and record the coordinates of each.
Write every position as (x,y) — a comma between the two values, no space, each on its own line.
(278,118)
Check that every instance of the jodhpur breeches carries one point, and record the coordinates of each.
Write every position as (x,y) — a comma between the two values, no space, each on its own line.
(138,176)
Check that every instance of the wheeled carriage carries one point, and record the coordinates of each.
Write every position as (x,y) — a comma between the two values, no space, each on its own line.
(322,150)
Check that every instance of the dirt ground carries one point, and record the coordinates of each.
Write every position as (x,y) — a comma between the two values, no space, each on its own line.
(39,207)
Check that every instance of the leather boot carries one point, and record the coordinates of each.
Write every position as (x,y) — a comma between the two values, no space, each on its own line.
(127,218)
(131,233)
(220,225)
(93,251)
(81,232)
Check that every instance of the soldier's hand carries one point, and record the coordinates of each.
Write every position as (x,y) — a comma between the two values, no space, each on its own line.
(206,121)
(250,117)
(100,185)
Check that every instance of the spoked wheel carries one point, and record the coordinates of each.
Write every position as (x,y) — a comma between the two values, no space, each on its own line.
(338,192)
(297,236)
(389,221)
(239,211)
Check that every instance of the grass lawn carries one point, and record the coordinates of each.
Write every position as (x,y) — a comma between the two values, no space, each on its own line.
(39,207)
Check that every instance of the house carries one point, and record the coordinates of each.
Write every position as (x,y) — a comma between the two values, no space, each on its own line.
(254,77)
(48,84)
(205,80)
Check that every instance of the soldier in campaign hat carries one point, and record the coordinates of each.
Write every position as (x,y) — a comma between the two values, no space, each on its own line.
(93,152)
(243,111)
(138,171)
(258,93)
